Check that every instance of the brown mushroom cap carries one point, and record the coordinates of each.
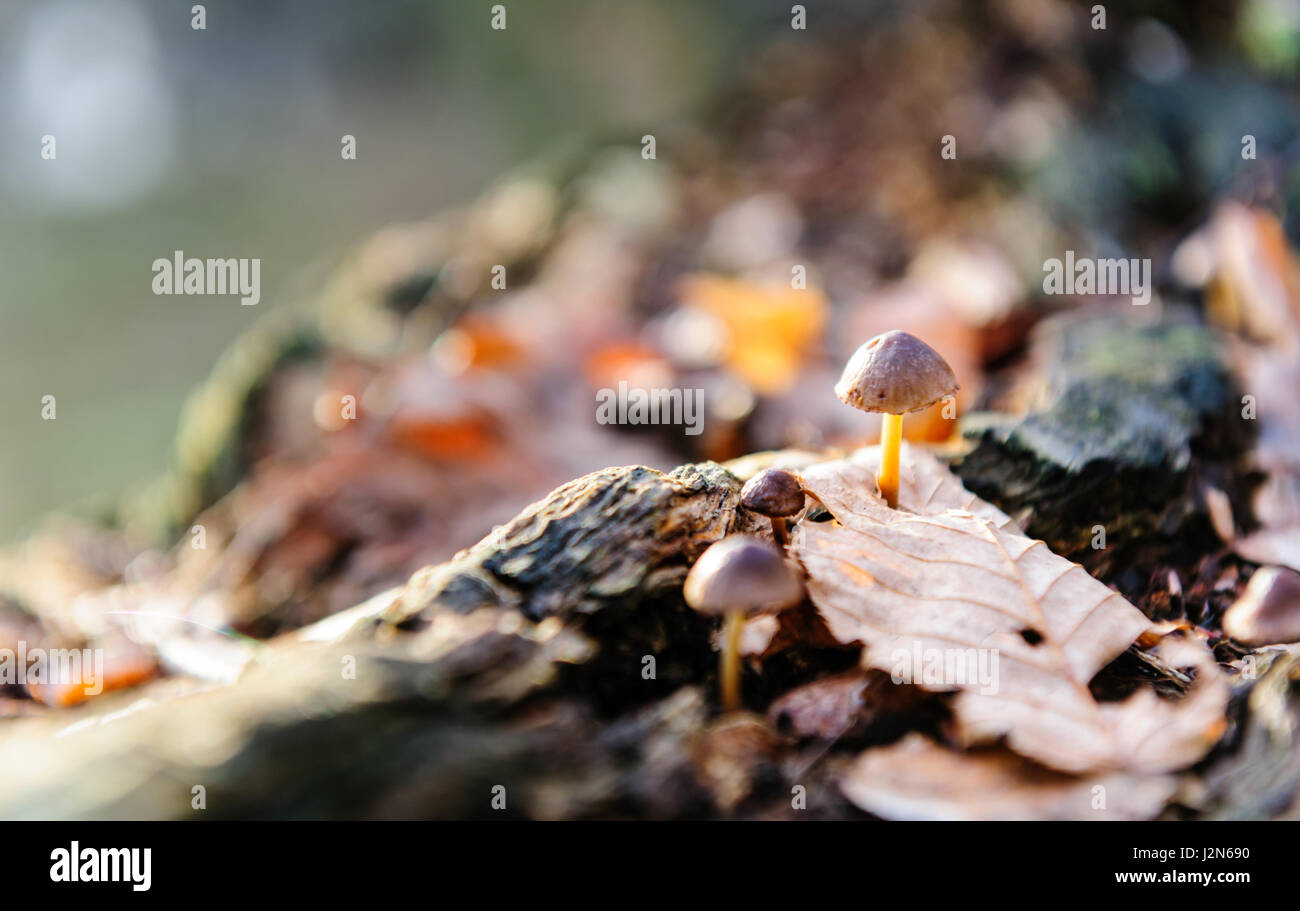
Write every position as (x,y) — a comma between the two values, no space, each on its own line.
(895,373)
(1268,611)
(742,573)
(772,492)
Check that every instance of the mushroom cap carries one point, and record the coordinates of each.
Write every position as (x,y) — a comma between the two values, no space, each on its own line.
(742,573)
(895,373)
(772,492)
(1268,611)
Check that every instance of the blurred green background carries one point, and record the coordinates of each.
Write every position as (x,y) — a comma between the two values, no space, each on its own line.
(225,142)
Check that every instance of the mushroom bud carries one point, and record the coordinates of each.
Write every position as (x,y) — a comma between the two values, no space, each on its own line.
(776,494)
(739,577)
(893,374)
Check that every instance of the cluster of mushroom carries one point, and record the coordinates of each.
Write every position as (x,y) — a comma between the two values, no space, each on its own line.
(742,576)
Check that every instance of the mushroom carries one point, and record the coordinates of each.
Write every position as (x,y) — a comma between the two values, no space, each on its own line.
(739,577)
(776,494)
(893,374)
(1268,611)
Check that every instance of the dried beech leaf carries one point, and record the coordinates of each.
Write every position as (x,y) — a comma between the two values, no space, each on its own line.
(849,704)
(1154,734)
(917,779)
(1256,279)
(926,485)
(827,707)
(948,583)
(1280,546)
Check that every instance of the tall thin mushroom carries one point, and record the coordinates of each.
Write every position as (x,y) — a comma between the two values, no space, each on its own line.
(739,577)
(893,374)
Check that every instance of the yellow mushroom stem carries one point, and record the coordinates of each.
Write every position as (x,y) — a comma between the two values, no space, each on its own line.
(729,664)
(891,438)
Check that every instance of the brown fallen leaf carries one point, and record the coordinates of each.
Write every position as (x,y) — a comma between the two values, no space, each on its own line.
(770,329)
(1270,376)
(632,362)
(1251,277)
(926,485)
(848,704)
(1280,546)
(918,779)
(825,708)
(1155,734)
(475,343)
(945,592)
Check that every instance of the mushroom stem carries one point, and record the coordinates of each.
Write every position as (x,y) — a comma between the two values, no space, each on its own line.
(780,533)
(729,665)
(891,438)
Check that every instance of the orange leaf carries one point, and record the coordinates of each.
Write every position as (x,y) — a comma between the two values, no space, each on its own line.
(771,329)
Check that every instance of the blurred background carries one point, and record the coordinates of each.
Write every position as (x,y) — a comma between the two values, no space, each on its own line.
(225,142)
(224,480)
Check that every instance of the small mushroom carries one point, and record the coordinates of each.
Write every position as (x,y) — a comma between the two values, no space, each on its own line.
(739,577)
(1268,611)
(893,374)
(776,494)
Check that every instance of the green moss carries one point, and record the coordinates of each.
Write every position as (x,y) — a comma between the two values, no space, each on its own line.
(1127,410)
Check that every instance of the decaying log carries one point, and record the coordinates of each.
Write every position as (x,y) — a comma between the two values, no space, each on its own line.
(476,690)
(1124,410)
(511,682)
(611,538)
